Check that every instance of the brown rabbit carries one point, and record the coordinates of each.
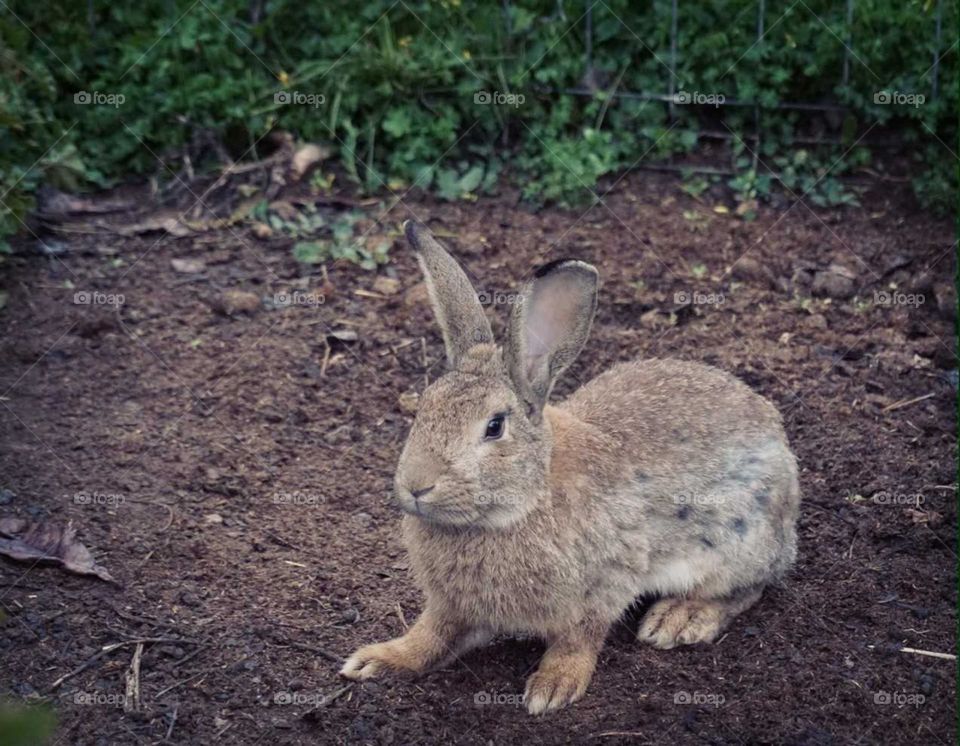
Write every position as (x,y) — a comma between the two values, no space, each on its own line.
(657,477)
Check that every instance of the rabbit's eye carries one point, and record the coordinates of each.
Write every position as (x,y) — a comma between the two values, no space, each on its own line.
(494,427)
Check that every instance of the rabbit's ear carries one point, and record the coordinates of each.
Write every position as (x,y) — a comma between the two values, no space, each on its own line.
(455,302)
(548,328)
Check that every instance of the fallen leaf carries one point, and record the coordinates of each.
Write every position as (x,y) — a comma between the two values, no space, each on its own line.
(305,157)
(47,542)
(187,266)
(171,225)
(386,285)
(343,335)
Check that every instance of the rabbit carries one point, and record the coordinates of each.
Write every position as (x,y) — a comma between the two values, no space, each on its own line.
(656,478)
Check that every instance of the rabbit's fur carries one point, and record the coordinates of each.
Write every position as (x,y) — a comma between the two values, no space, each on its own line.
(657,477)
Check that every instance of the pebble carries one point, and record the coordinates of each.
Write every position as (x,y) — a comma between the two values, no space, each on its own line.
(363,518)
(836,281)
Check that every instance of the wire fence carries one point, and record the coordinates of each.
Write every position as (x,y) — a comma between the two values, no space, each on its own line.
(672,97)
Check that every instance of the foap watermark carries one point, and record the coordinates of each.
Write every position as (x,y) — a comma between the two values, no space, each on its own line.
(96,298)
(699,498)
(99,98)
(481,699)
(696,298)
(296,298)
(898,699)
(298,499)
(896,298)
(698,698)
(498,98)
(489,498)
(301,699)
(298,98)
(102,699)
(100,499)
(897,498)
(496,298)
(699,98)
(899,98)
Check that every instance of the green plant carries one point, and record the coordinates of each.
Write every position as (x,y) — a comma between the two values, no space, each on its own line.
(452,96)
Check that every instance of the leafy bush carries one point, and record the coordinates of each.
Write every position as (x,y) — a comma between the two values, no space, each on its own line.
(446,96)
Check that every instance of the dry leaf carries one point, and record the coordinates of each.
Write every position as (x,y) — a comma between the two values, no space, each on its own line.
(187,266)
(47,542)
(305,157)
(386,285)
(170,224)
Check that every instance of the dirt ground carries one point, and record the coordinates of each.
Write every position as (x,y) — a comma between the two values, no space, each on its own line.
(232,469)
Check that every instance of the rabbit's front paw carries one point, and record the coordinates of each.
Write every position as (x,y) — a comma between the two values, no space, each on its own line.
(681,621)
(372,660)
(558,682)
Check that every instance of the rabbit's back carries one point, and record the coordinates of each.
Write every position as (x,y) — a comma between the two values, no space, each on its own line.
(703,470)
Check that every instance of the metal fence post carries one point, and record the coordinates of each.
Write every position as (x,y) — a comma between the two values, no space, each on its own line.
(936,53)
(847,43)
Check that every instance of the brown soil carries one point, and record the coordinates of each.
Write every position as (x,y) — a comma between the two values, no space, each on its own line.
(184,411)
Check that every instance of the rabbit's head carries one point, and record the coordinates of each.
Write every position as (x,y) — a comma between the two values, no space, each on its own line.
(478,452)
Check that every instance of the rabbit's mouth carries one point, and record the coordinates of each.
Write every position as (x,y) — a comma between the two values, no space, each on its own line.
(436,511)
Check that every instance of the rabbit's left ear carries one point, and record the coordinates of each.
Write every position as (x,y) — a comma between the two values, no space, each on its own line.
(455,302)
(548,328)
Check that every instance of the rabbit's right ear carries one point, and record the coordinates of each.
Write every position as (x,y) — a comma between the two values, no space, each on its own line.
(455,302)
(548,328)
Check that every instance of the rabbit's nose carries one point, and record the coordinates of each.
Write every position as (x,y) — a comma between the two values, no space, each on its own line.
(417,494)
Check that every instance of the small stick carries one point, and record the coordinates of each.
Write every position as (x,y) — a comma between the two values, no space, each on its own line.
(109,649)
(403,619)
(907,402)
(313,649)
(915,651)
(173,722)
(180,683)
(331,698)
(326,358)
(194,654)
(621,733)
(131,702)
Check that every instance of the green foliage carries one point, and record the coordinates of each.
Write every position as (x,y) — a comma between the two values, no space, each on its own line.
(326,240)
(26,726)
(445,96)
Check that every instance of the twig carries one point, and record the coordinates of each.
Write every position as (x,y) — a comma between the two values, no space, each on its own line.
(915,651)
(192,655)
(330,699)
(326,357)
(945,656)
(131,702)
(621,733)
(173,722)
(313,649)
(181,683)
(106,650)
(906,402)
